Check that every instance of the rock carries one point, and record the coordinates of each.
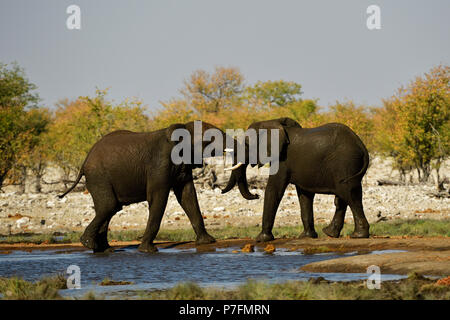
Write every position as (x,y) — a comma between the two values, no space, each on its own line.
(443,282)
(270,248)
(22,221)
(248,248)
(63,200)
(50,204)
(217,209)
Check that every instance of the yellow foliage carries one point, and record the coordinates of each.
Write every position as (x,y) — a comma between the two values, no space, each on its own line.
(414,124)
(78,124)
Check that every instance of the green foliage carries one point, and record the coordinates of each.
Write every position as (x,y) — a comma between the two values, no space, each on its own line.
(44,289)
(418,288)
(414,124)
(274,93)
(21,123)
(221,98)
(15,89)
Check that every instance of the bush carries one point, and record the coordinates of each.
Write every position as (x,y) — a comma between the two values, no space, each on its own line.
(414,125)
(79,124)
(21,122)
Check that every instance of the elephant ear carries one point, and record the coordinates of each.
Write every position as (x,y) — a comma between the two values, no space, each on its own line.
(283,138)
(289,122)
(172,128)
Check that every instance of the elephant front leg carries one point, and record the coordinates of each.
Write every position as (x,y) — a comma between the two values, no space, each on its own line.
(157,201)
(272,196)
(187,198)
(306,200)
(336,225)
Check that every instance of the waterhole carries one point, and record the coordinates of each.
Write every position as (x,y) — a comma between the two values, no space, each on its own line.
(221,268)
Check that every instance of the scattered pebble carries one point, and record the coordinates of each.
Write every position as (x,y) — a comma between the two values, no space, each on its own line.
(248,248)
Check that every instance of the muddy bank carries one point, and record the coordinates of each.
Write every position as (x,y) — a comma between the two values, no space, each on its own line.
(423,262)
(327,244)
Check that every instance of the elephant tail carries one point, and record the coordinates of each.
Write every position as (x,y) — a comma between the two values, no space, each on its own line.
(80,174)
(365,164)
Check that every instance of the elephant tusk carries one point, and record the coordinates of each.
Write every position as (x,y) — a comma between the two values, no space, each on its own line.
(234,167)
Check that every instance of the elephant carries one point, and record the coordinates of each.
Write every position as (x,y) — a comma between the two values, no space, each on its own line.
(126,167)
(329,159)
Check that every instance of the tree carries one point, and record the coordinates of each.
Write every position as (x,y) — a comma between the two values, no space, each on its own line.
(212,97)
(78,124)
(15,88)
(17,129)
(274,93)
(419,122)
(211,93)
(34,156)
(173,111)
(221,98)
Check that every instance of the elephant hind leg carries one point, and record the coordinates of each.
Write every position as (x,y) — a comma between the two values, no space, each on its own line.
(354,199)
(336,225)
(95,236)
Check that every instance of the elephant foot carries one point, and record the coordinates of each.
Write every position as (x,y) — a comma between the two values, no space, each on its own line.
(107,249)
(360,234)
(205,239)
(147,247)
(264,237)
(331,232)
(88,242)
(309,234)
(96,245)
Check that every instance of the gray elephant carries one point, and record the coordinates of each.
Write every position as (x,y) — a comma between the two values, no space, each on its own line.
(126,167)
(330,159)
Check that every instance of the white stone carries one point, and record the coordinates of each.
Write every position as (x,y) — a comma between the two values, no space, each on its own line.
(22,221)
(50,204)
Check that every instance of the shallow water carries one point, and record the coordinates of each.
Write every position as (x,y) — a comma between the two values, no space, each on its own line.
(168,267)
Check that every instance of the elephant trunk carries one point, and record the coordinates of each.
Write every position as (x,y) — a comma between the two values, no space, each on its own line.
(239,177)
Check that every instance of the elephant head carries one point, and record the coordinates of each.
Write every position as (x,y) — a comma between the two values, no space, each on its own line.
(201,143)
(192,140)
(238,175)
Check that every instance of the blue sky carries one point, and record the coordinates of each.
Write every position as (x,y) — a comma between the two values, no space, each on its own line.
(146,49)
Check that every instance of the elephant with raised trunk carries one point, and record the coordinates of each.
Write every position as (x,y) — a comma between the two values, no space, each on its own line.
(330,159)
(126,167)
